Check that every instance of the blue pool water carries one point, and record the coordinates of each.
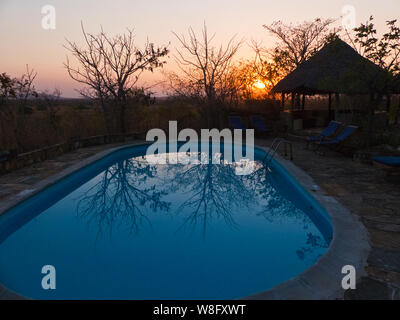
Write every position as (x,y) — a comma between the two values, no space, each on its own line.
(122,228)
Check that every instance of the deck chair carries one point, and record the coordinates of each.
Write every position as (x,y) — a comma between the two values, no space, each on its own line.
(236,123)
(259,124)
(326,133)
(391,167)
(347,132)
(388,161)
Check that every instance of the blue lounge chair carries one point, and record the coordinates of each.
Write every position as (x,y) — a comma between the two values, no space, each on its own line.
(387,160)
(337,142)
(327,132)
(236,123)
(391,166)
(259,124)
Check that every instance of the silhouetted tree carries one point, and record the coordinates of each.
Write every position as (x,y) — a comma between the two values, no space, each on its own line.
(203,66)
(297,43)
(267,66)
(15,97)
(110,67)
(384,52)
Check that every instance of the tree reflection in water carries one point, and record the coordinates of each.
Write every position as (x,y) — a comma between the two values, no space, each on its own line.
(120,196)
(129,190)
(213,192)
(274,207)
(277,208)
(313,242)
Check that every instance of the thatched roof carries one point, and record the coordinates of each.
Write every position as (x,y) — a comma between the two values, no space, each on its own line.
(336,68)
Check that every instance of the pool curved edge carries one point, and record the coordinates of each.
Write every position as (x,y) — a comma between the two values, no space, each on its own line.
(349,246)
(319,282)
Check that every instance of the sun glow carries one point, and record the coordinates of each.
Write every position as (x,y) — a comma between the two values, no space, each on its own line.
(259,85)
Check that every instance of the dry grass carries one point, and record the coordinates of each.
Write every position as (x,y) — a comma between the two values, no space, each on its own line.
(40,127)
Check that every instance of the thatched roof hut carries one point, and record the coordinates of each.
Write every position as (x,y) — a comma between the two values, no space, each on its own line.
(336,68)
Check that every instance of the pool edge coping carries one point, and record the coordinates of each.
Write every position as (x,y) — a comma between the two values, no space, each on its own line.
(321,281)
(5,293)
(349,246)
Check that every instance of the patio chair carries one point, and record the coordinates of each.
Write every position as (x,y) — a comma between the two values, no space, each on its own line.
(391,167)
(344,135)
(388,160)
(8,154)
(236,123)
(259,124)
(326,133)
(4,155)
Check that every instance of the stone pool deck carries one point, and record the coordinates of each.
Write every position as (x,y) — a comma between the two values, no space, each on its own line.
(362,188)
(365,191)
(22,181)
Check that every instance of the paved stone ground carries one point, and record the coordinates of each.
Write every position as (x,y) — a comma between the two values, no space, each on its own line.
(365,191)
(362,188)
(23,179)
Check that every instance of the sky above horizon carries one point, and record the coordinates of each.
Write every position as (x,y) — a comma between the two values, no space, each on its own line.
(23,40)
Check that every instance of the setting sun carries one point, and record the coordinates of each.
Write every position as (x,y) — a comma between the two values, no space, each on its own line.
(258,84)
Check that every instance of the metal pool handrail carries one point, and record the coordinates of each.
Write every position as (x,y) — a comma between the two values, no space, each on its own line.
(274,147)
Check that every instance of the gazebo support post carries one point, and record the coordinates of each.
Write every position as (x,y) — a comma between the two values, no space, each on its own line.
(293,97)
(283,100)
(337,103)
(303,102)
(298,99)
(330,107)
(388,102)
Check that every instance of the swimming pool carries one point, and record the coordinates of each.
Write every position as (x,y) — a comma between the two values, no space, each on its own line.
(123,228)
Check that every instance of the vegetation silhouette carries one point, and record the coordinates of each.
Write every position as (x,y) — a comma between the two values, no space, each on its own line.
(110,68)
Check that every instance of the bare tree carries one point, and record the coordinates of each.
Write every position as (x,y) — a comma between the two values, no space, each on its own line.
(299,42)
(15,97)
(203,65)
(270,66)
(110,68)
(267,67)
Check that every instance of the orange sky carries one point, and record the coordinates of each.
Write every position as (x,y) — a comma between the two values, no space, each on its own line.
(23,40)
